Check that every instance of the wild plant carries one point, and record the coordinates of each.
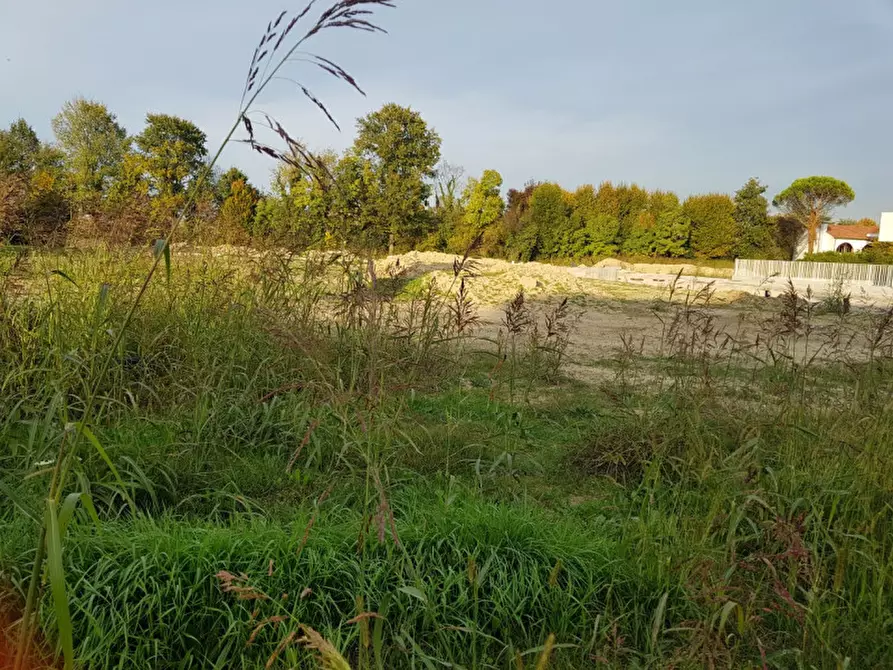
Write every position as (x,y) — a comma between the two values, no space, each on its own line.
(279,46)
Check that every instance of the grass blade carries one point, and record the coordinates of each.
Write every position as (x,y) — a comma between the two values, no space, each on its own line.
(659,619)
(67,511)
(87,502)
(91,437)
(64,276)
(57,584)
(724,615)
(162,247)
(414,592)
(16,500)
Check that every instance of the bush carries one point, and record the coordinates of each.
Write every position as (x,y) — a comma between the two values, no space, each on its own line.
(879,253)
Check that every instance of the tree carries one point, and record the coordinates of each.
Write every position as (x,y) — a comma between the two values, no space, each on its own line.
(401,153)
(639,235)
(865,221)
(672,231)
(34,207)
(627,202)
(448,187)
(94,145)
(13,195)
(594,225)
(175,152)
(544,223)
(499,239)
(483,206)
(224,183)
(448,211)
(811,201)
(19,149)
(238,211)
(127,206)
(712,225)
(755,232)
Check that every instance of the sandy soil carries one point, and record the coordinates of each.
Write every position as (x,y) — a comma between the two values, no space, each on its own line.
(611,316)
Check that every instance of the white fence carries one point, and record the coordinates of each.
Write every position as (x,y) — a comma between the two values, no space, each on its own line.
(876,275)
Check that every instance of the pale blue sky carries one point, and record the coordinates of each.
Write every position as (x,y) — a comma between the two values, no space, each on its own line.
(691,95)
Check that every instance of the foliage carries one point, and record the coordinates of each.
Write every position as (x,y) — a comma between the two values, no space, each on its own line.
(755,236)
(175,152)
(880,253)
(812,200)
(788,235)
(856,222)
(34,207)
(655,521)
(547,216)
(594,227)
(377,196)
(237,214)
(224,184)
(448,210)
(399,152)
(713,226)
(94,146)
(671,233)
(482,206)
(19,147)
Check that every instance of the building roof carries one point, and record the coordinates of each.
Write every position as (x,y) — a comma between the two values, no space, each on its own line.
(853,232)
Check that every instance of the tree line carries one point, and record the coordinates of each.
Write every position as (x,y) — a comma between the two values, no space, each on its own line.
(389,191)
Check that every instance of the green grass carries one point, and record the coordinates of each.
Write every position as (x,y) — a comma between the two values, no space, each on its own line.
(146,590)
(698,509)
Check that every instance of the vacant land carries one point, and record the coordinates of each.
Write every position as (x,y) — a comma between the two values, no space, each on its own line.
(325,462)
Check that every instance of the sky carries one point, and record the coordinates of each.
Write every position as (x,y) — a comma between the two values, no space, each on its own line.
(692,96)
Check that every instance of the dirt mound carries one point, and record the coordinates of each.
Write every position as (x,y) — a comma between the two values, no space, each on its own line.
(686,269)
(612,263)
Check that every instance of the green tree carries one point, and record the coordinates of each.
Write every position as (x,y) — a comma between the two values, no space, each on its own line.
(594,224)
(448,210)
(713,228)
(400,152)
(865,221)
(544,223)
(754,229)
(627,202)
(128,205)
(500,239)
(300,210)
(19,149)
(638,237)
(238,212)
(672,231)
(175,152)
(223,185)
(483,206)
(812,200)
(34,205)
(94,145)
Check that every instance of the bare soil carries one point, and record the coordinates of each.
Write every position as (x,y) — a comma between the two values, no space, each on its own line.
(612,316)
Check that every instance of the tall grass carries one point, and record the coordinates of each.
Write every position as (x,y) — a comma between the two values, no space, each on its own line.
(268,60)
(724,504)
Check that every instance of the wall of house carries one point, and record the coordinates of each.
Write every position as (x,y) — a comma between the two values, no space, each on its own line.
(858,245)
(824,241)
(886,234)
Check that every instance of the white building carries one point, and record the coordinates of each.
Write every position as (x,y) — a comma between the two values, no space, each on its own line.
(848,239)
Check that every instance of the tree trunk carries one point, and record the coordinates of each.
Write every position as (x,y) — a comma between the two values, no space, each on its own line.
(813,226)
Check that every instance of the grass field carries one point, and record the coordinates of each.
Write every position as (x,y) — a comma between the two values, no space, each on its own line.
(297,463)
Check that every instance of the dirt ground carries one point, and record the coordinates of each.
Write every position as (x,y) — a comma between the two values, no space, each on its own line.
(609,317)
